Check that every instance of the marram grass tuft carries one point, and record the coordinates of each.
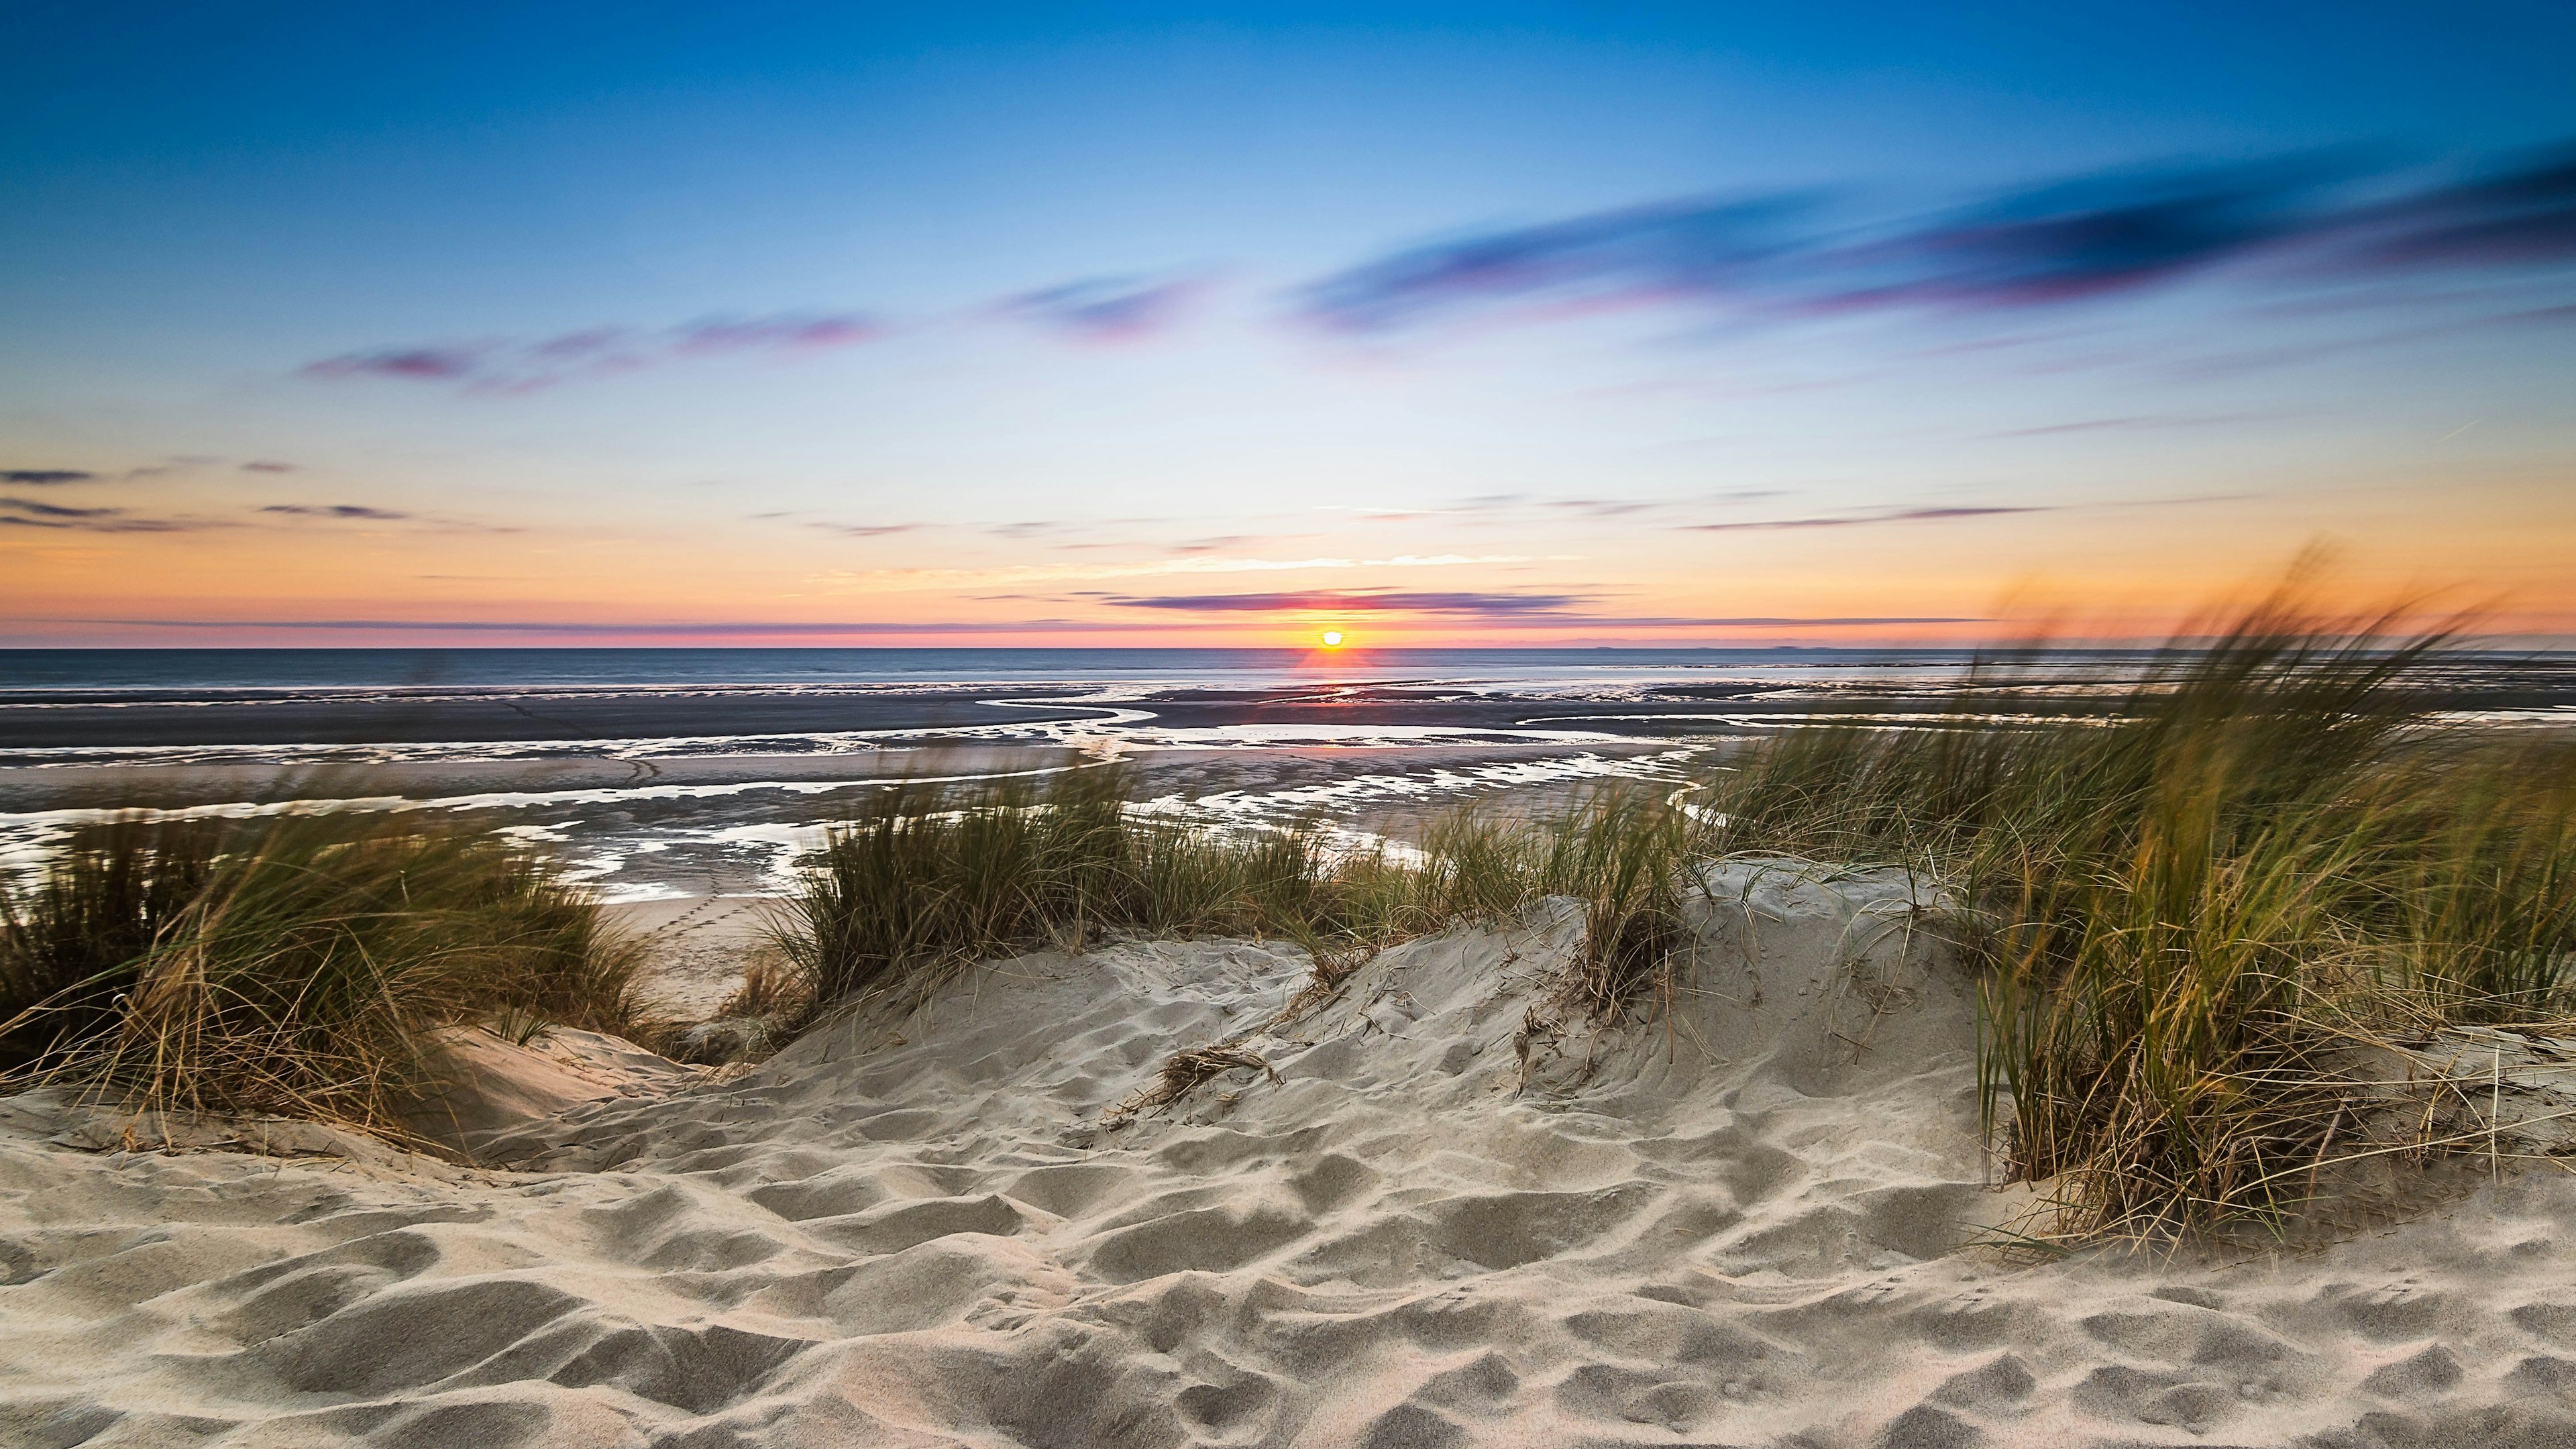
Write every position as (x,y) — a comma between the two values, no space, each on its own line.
(2186,913)
(926,882)
(289,964)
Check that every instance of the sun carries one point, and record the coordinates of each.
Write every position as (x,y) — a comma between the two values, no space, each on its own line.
(1332,638)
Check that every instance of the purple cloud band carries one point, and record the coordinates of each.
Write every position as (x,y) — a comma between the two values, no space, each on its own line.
(55,510)
(31,513)
(2114,233)
(1907,515)
(522,366)
(335,510)
(18,512)
(2092,237)
(1356,603)
(1105,309)
(1503,610)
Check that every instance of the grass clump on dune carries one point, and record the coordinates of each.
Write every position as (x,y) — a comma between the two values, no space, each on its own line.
(290,964)
(926,882)
(2186,912)
(72,943)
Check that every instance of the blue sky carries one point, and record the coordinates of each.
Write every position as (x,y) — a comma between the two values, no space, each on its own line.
(1151,324)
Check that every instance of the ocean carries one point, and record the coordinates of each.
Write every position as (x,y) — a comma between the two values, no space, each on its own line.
(671,772)
(162,670)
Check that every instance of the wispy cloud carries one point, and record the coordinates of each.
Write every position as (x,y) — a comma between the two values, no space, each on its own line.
(1357,602)
(37,513)
(1485,507)
(2092,425)
(1856,520)
(34,513)
(335,510)
(860,530)
(2094,236)
(786,332)
(428,364)
(1106,309)
(2512,216)
(1491,610)
(44,477)
(1602,507)
(1805,253)
(720,629)
(1693,248)
(2079,239)
(1856,621)
(262,466)
(938,578)
(55,510)
(107,525)
(519,365)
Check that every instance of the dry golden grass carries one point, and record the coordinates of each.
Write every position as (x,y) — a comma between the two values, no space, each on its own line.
(1184,1072)
(2188,914)
(926,883)
(290,964)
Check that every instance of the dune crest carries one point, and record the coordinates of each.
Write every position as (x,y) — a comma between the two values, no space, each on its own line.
(1439,1209)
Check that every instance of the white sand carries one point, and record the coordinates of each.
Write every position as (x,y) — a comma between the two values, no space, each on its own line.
(695,947)
(1438,1227)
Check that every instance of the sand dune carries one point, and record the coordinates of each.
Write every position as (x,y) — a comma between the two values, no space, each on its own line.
(1439,1211)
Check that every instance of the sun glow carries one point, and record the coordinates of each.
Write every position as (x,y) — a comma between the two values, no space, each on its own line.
(1332,638)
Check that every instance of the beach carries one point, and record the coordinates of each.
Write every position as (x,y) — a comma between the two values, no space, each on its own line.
(1438,1212)
(1440,1183)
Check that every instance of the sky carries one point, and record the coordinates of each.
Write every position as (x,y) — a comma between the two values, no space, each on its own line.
(1487,324)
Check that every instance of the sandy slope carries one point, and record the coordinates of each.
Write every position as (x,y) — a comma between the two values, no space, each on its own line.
(1451,1220)
(695,947)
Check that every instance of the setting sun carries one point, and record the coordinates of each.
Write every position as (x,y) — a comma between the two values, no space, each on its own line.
(1332,638)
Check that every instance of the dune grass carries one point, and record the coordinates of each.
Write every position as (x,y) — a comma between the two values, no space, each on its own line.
(288,964)
(2187,913)
(72,943)
(925,882)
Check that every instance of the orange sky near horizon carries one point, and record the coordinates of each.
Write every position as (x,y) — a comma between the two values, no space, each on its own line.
(2498,547)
